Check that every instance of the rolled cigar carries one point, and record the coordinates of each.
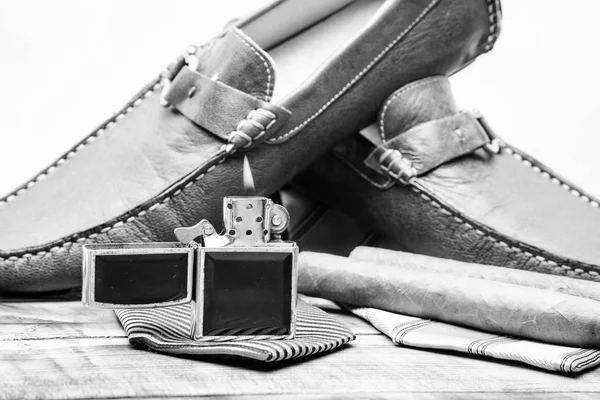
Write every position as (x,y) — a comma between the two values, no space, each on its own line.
(492,306)
(572,286)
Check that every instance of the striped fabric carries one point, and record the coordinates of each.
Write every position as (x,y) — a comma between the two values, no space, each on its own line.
(168,330)
(418,332)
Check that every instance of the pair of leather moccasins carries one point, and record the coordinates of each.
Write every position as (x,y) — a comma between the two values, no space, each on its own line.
(350,102)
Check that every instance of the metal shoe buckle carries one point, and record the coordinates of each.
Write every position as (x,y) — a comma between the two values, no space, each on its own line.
(170,72)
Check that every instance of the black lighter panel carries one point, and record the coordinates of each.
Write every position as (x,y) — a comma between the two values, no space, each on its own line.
(247,293)
(141,278)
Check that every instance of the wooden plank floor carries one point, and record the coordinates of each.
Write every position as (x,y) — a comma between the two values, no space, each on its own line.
(60,350)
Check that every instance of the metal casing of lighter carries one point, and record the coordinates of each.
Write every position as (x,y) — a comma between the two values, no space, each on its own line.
(241,284)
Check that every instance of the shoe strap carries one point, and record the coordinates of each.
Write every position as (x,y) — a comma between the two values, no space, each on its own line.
(428,145)
(227,112)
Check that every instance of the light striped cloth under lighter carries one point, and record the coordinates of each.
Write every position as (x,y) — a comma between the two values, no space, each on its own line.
(167,330)
(424,333)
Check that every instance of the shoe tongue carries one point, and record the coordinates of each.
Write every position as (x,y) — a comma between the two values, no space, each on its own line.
(421,101)
(237,61)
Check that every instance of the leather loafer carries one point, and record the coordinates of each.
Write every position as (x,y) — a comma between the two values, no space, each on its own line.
(440,182)
(170,155)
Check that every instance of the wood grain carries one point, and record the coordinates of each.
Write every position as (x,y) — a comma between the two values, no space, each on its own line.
(35,321)
(62,350)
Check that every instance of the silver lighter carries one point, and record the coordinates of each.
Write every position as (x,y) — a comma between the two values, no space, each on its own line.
(241,283)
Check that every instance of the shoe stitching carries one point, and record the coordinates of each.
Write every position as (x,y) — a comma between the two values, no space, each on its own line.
(128,108)
(400,92)
(524,159)
(243,136)
(494,18)
(118,224)
(134,103)
(362,72)
(460,215)
(266,64)
(528,162)
(494,28)
(130,219)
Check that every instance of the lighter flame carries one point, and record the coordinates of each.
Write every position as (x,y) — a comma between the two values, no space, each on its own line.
(247,177)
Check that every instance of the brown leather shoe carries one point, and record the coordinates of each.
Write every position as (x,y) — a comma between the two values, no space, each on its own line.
(439,182)
(171,154)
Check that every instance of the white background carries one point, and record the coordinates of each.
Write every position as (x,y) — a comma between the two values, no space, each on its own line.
(66,65)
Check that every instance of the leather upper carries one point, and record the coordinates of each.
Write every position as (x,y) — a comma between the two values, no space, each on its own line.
(151,168)
(472,197)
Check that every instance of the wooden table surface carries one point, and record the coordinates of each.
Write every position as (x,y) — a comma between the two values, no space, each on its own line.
(61,350)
